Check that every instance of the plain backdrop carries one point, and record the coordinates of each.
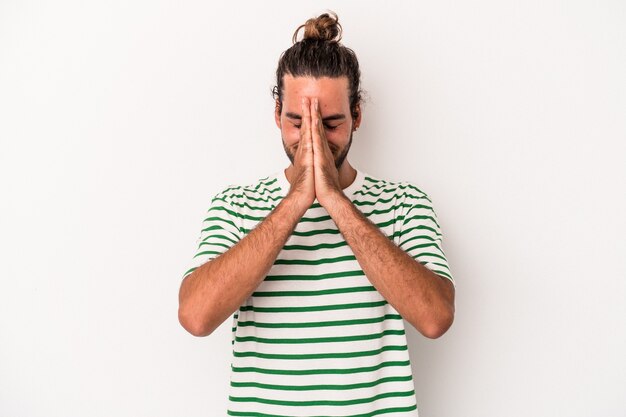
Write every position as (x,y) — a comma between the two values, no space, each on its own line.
(119,120)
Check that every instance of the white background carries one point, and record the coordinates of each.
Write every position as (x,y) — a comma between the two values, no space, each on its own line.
(119,120)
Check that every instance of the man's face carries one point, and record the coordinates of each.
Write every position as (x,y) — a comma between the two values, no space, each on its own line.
(334,107)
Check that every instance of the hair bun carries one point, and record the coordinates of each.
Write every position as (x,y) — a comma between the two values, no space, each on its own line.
(324,27)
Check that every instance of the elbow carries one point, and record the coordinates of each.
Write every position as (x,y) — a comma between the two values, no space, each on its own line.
(188,316)
(439,325)
(192,325)
(442,314)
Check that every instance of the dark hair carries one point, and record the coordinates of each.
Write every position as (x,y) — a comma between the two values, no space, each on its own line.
(319,54)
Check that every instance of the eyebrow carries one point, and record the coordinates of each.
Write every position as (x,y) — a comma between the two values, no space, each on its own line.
(337,116)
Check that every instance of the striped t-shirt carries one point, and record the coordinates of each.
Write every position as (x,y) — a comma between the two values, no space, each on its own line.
(316,338)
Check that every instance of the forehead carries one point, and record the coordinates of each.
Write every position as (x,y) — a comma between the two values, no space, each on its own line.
(332,92)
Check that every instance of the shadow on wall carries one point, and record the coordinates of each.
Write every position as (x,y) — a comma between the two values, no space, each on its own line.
(433,368)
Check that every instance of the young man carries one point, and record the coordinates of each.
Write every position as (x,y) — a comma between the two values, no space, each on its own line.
(319,262)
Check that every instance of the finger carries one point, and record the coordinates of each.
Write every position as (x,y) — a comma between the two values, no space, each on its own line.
(315,124)
(320,143)
(305,124)
(320,122)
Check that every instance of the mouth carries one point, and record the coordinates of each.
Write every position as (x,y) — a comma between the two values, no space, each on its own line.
(332,150)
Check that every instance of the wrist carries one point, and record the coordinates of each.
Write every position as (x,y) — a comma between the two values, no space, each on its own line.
(336,201)
(297,203)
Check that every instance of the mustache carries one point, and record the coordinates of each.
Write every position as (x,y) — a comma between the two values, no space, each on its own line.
(332,148)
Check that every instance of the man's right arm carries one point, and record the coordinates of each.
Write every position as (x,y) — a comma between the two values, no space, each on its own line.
(216,289)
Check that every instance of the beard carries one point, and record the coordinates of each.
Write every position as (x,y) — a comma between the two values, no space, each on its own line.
(339,155)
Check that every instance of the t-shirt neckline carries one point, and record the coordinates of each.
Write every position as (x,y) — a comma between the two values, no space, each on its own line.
(349,191)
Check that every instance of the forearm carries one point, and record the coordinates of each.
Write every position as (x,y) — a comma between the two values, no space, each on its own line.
(420,296)
(217,288)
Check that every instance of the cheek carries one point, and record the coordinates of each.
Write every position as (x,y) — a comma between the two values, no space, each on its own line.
(338,135)
(291,136)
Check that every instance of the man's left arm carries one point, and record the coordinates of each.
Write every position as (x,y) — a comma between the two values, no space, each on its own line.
(422,297)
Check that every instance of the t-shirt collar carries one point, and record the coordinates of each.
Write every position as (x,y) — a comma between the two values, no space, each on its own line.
(349,191)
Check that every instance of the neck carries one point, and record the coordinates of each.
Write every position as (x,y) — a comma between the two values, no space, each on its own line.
(347,174)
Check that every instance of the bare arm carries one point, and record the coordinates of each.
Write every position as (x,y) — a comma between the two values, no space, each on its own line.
(213,291)
(217,288)
(423,298)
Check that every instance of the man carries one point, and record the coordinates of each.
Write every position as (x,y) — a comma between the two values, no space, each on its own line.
(319,262)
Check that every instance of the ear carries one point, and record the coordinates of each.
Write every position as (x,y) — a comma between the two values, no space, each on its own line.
(357,122)
(277,111)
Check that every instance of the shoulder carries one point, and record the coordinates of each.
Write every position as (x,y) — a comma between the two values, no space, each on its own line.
(401,189)
(411,190)
(257,190)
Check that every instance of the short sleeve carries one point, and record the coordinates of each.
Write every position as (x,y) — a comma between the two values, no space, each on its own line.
(421,236)
(221,230)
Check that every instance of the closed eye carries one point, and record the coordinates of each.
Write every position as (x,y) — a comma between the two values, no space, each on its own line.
(325,126)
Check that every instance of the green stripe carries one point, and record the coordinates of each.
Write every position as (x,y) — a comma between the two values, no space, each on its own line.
(249,197)
(220,236)
(263,181)
(323,402)
(322,387)
(423,254)
(332,231)
(375,180)
(204,242)
(306,356)
(312,293)
(445,274)
(232,213)
(437,271)
(424,245)
(418,237)
(394,187)
(315,247)
(319,339)
(189,271)
(314,261)
(207,252)
(312,308)
(317,371)
(318,277)
(418,216)
(404,232)
(251,207)
(219,227)
(297,325)
(309,233)
(394,208)
(370,414)
(374,202)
